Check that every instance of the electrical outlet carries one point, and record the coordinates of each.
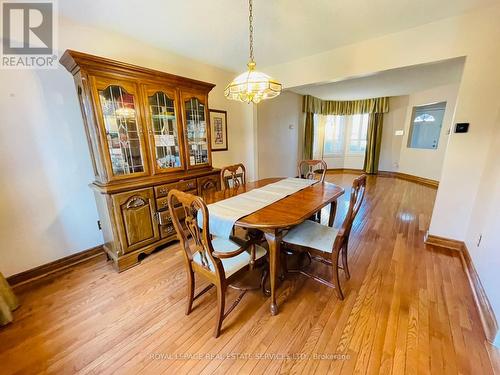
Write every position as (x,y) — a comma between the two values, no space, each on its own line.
(99,224)
(479,240)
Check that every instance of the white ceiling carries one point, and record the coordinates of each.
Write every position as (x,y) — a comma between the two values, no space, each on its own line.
(394,82)
(216,31)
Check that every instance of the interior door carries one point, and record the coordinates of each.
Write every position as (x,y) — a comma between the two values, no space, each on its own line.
(164,128)
(120,122)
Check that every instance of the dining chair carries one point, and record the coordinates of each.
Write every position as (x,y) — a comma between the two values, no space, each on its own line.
(217,259)
(233,176)
(311,169)
(324,243)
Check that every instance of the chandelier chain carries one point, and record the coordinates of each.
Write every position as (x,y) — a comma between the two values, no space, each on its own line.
(250,22)
(252,86)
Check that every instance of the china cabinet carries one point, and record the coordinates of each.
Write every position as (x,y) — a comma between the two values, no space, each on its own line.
(148,133)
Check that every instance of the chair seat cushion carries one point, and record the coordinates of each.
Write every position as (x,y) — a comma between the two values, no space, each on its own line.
(313,235)
(233,264)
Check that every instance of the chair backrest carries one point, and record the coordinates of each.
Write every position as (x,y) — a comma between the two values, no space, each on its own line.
(310,168)
(201,240)
(355,201)
(233,176)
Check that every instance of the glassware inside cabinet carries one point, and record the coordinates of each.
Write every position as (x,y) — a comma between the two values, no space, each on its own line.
(196,131)
(122,130)
(165,134)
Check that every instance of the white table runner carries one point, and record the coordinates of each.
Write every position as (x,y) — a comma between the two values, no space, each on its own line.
(225,213)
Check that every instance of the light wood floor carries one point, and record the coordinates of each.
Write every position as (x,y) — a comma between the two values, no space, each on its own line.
(408,309)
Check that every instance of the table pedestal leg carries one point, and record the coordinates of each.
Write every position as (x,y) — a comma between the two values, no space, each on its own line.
(273,239)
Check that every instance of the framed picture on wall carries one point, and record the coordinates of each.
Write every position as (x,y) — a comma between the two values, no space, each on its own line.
(218,130)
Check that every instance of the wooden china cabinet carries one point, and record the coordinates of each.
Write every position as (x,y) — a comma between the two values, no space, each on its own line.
(148,132)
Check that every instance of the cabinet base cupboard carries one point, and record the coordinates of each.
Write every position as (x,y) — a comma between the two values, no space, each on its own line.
(148,132)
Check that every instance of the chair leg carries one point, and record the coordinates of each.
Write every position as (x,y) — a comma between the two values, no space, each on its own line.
(265,276)
(335,274)
(344,262)
(284,265)
(333,211)
(221,302)
(190,290)
(251,265)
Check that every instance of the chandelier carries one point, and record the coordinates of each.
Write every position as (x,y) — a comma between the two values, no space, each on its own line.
(252,86)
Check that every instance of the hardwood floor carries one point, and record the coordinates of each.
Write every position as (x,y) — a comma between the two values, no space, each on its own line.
(408,309)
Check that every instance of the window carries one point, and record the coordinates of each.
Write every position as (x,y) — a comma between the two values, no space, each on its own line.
(359,131)
(334,135)
(425,127)
(340,135)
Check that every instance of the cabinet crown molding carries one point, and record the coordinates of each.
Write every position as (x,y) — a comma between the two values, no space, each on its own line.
(73,61)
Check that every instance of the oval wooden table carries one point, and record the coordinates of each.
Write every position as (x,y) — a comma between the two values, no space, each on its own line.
(281,215)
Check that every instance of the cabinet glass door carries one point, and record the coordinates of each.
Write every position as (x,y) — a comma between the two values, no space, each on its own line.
(196,131)
(164,131)
(122,129)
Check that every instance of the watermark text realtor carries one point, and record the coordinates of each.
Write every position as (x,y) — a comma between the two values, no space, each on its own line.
(28,35)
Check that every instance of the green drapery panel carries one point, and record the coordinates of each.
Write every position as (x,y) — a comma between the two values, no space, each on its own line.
(376,107)
(308,135)
(311,104)
(8,301)
(373,143)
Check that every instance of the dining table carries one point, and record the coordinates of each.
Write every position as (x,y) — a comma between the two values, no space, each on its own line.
(273,220)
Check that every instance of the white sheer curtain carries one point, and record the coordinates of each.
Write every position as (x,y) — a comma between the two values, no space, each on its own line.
(337,136)
(319,136)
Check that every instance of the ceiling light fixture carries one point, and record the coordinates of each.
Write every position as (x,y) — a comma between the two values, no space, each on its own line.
(252,86)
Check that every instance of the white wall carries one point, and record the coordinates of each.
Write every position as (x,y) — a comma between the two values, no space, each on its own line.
(393,82)
(474,35)
(485,222)
(422,162)
(278,144)
(48,210)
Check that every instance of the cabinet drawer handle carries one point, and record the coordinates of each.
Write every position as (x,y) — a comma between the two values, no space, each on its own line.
(163,191)
(136,202)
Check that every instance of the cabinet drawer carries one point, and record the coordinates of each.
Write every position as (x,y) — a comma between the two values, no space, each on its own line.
(162,203)
(166,226)
(162,190)
(165,219)
(187,185)
(167,231)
